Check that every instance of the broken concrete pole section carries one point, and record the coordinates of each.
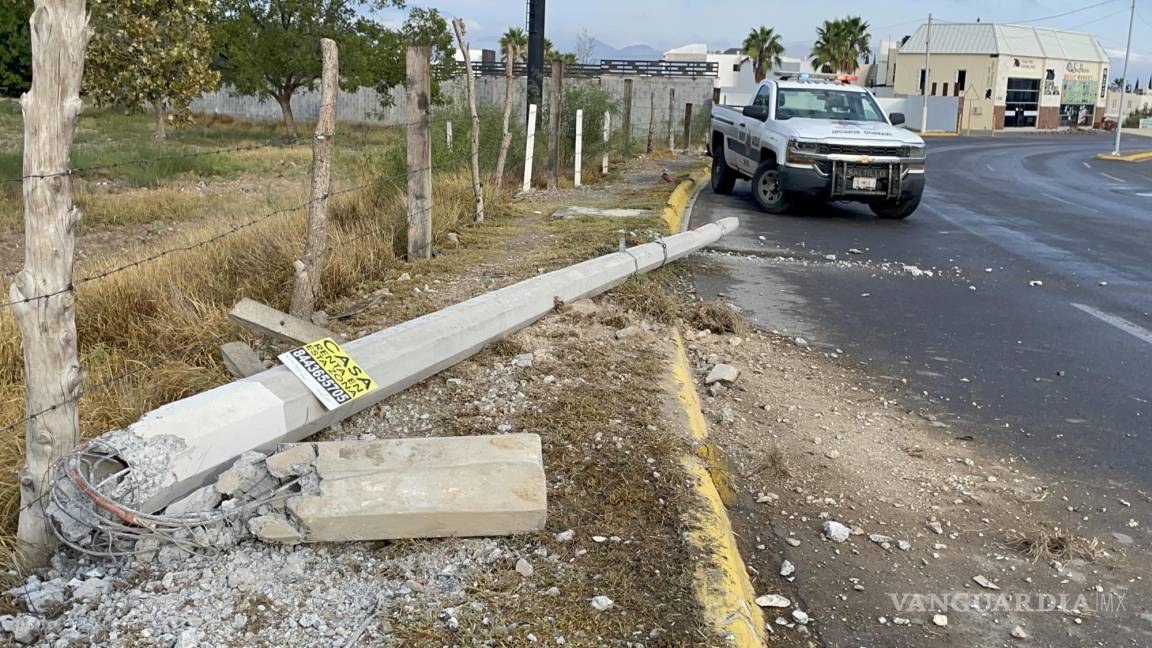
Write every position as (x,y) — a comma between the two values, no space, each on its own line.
(412,488)
(182,446)
(269,321)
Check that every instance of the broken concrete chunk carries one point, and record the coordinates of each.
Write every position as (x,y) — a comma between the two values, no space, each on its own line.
(571,213)
(269,321)
(772,600)
(243,476)
(23,628)
(291,462)
(423,488)
(200,500)
(275,528)
(722,373)
(240,360)
(836,532)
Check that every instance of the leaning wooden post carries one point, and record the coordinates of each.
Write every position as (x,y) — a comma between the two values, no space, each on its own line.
(306,290)
(43,299)
(651,120)
(448,134)
(555,106)
(687,126)
(529,147)
(419,89)
(470,85)
(506,139)
(626,126)
(579,144)
(671,118)
(607,136)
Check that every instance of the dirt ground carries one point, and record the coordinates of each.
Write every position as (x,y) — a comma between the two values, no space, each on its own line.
(940,525)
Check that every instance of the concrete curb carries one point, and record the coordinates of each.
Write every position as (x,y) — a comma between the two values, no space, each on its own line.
(686,219)
(677,203)
(1136,156)
(723,587)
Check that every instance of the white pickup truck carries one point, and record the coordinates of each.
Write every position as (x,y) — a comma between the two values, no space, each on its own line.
(817,139)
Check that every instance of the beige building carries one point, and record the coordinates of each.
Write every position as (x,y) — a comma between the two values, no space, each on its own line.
(1009,76)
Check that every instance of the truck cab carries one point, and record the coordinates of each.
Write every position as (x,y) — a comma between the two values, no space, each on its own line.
(812,138)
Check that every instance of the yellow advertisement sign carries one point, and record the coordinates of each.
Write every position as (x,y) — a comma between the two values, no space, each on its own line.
(329,372)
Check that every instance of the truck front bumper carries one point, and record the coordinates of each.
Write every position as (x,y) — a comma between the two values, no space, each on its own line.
(834,181)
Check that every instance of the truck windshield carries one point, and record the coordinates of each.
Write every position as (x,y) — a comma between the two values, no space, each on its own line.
(822,103)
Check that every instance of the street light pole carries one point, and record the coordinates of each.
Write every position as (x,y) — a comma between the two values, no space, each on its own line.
(1124,81)
(927,74)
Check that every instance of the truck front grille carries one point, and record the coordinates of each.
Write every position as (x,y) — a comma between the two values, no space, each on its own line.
(874,151)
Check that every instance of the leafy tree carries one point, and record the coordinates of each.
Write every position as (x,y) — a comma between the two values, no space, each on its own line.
(517,39)
(841,45)
(15,47)
(271,48)
(156,52)
(764,47)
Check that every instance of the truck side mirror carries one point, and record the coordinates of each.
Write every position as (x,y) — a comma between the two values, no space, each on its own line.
(897,118)
(756,112)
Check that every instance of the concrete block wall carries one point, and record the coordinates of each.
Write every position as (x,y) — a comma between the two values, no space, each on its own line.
(363,105)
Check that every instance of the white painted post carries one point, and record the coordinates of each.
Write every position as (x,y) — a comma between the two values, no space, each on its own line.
(607,134)
(448,134)
(579,143)
(530,148)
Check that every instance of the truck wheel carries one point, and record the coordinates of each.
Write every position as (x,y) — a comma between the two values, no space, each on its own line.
(897,209)
(767,190)
(723,178)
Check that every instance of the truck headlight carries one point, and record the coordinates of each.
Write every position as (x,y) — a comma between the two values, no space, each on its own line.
(801,152)
(916,152)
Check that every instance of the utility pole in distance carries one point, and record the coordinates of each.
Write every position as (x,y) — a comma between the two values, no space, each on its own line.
(536,52)
(927,74)
(1124,81)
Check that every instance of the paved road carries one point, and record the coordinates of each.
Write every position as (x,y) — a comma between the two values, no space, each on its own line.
(1060,373)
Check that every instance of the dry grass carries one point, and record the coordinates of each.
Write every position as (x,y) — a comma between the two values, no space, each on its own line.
(717,316)
(1046,546)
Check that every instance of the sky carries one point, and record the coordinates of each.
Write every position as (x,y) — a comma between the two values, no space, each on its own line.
(720,24)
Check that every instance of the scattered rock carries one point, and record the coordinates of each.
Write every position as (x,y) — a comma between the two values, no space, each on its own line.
(940,620)
(936,527)
(565,536)
(879,539)
(904,545)
(92,589)
(772,601)
(787,568)
(523,361)
(1018,632)
(629,332)
(800,617)
(602,603)
(23,628)
(835,531)
(1036,284)
(200,500)
(792,541)
(801,342)
(832,454)
(524,568)
(722,373)
(985,583)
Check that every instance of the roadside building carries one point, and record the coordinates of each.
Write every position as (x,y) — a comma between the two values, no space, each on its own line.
(1009,76)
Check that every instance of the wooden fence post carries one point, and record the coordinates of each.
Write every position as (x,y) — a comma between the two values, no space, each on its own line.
(579,144)
(506,140)
(448,134)
(687,126)
(671,118)
(309,269)
(529,147)
(626,126)
(419,89)
(470,85)
(555,106)
(651,120)
(607,136)
(42,294)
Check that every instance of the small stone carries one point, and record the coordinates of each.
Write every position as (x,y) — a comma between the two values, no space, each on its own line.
(404,277)
(772,601)
(565,536)
(1036,284)
(801,342)
(722,373)
(985,583)
(879,539)
(835,531)
(92,589)
(800,617)
(901,621)
(904,545)
(523,361)
(524,568)
(23,628)
(1018,632)
(767,498)
(601,603)
(552,592)
(936,527)
(832,454)
(940,620)
(628,332)
(787,568)
(792,541)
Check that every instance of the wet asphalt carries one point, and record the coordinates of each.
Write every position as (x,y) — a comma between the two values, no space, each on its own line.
(1033,332)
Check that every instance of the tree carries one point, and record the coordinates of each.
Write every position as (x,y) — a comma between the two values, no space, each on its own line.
(585,48)
(153,52)
(517,39)
(15,47)
(271,48)
(764,47)
(841,45)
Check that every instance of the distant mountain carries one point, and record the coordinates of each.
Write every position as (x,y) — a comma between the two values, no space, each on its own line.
(602,50)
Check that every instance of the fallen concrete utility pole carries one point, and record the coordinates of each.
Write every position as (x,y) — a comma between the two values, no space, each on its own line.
(182,446)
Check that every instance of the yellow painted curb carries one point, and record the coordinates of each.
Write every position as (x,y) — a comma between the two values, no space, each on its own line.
(674,211)
(1136,156)
(722,583)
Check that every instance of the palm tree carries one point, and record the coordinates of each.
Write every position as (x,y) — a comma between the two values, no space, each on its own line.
(517,39)
(763,46)
(841,45)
